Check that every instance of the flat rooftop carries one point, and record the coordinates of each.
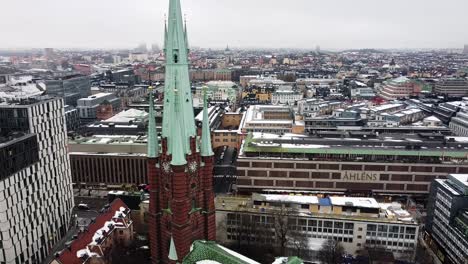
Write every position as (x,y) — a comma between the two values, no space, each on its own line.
(25,102)
(370,208)
(398,145)
(108,139)
(95,96)
(13,138)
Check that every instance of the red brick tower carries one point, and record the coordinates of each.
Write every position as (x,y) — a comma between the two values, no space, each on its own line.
(181,171)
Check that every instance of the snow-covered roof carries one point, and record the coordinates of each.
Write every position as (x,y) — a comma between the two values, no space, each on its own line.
(127,116)
(355,202)
(300,199)
(432,119)
(207,262)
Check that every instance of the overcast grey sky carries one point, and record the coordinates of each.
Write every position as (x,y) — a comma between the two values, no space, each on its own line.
(332,24)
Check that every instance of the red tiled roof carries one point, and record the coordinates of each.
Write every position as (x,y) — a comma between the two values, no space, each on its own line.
(68,255)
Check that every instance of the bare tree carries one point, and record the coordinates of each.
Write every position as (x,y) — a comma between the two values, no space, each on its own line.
(300,244)
(282,229)
(286,236)
(331,252)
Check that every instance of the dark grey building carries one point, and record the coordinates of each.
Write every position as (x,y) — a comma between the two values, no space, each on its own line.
(70,87)
(72,118)
(122,76)
(447,210)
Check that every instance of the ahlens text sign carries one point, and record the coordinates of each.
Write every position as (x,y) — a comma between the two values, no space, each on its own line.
(360,176)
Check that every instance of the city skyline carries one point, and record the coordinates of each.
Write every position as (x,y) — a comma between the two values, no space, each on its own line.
(333,25)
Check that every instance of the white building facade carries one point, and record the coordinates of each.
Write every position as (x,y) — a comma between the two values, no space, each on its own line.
(357,223)
(459,123)
(36,198)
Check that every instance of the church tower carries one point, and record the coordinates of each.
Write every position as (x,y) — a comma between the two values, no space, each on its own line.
(180,169)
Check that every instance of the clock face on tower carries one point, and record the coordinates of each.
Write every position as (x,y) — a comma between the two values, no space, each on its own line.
(193,166)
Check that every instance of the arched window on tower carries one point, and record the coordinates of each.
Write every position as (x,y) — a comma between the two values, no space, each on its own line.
(176,57)
(194,204)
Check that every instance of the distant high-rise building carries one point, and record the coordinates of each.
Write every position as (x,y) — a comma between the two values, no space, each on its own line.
(116,59)
(447,218)
(155,48)
(141,48)
(465,49)
(317,49)
(49,53)
(35,179)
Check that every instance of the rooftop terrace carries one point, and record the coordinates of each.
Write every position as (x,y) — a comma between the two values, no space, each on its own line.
(258,143)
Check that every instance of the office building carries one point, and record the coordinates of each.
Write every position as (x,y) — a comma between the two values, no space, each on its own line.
(459,123)
(399,88)
(339,118)
(35,180)
(358,223)
(122,76)
(88,107)
(316,107)
(286,95)
(358,161)
(204,75)
(270,119)
(219,91)
(447,219)
(72,118)
(452,87)
(21,86)
(228,133)
(108,159)
(69,87)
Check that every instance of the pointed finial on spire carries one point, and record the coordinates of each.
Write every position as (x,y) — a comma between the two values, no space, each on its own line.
(165,31)
(185,33)
(172,251)
(153,144)
(206,148)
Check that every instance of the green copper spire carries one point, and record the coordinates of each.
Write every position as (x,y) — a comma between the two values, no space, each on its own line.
(153,144)
(177,146)
(206,149)
(178,127)
(172,251)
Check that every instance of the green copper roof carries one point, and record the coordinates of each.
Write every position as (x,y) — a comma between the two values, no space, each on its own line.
(178,143)
(209,250)
(153,144)
(179,127)
(172,250)
(206,149)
